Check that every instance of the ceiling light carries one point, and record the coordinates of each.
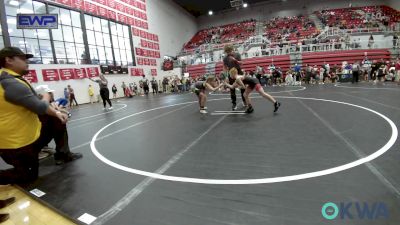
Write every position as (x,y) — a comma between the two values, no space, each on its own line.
(14,3)
(245,5)
(210,12)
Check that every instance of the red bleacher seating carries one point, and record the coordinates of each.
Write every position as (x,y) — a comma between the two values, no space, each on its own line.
(354,17)
(230,33)
(282,61)
(290,29)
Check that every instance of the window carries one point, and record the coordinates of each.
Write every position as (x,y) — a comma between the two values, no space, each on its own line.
(98,35)
(68,38)
(35,42)
(121,44)
(1,39)
(108,42)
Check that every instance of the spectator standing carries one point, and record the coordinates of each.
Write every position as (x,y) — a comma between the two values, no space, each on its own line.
(356,72)
(66,93)
(114,91)
(104,92)
(123,86)
(154,86)
(165,84)
(145,83)
(397,67)
(72,98)
(374,69)
(184,84)
(91,93)
(371,41)
(297,69)
(135,88)
(395,40)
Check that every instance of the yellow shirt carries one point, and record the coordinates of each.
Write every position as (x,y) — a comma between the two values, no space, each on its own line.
(91,92)
(19,126)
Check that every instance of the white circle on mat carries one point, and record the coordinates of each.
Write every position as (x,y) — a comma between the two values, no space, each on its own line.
(329,171)
(111,111)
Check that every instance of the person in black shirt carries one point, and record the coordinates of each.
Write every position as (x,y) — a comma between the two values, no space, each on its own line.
(145,85)
(374,68)
(233,60)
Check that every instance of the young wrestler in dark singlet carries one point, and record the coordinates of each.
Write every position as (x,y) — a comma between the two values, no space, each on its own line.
(249,84)
(200,87)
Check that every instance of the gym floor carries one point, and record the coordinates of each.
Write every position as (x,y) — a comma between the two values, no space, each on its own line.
(327,143)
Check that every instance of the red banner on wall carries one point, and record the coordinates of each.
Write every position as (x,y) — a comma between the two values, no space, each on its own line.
(93,72)
(80,74)
(129,10)
(133,3)
(111,4)
(120,7)
(131,21)
(137,72)
(103,12)
(67,74)
(65,2)
(154,72)
(78,4)
(31,77)
(122,18)
(103,2)
(135,32)
(112,15)
(50,75)
(91,8)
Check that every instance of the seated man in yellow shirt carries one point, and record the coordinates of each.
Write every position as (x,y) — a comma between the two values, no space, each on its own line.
(22,135)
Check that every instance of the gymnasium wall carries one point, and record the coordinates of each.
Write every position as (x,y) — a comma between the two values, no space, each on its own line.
(170,22)
(394,4)
(265,11)
(81,85)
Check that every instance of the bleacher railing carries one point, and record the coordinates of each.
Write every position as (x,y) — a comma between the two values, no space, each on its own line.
(260,40)
(293,48)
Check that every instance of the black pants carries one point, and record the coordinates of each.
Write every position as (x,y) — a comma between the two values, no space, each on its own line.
(25,159)
(105,96)
(146,89)
(325,76)
(233,93)
(155,89)
(72,99)
(355,76)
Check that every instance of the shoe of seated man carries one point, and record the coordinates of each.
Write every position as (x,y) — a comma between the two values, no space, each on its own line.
(6,202)
(43,155)
(48,149)
(69,158)
(4,217)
